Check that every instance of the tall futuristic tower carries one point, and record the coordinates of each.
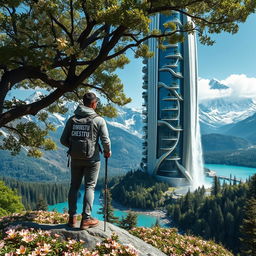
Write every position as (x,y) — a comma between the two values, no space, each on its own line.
(172,147)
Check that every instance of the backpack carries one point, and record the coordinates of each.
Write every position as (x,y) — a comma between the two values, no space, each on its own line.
(82,137)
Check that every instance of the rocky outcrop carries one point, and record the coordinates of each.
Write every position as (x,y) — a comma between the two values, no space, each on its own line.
(95,235)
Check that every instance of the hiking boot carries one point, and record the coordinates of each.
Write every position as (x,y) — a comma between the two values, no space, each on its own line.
(88,223)
(72,221)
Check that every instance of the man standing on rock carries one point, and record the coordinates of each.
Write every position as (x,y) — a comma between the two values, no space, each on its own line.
(81,135)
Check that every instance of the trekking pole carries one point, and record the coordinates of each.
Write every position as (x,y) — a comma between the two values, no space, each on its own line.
(105,194)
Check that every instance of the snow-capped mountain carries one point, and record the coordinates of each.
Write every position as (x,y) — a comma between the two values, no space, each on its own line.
(128,119)
(244,129)
(222,111)
(34,97)
(214,113)
(216,85)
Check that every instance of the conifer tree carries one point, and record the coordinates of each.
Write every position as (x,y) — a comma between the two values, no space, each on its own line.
(41,204)
(248,227)
(176,213)
(157,223)
(216,187)
(234,180)
(252,187)
(110,217)
(129,222)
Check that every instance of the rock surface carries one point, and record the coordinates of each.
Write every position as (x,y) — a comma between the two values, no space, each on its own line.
(94,235)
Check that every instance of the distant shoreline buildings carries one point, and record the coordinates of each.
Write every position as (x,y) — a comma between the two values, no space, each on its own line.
(172,145)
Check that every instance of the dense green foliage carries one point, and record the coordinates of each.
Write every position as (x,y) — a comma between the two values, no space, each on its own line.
(243,157)
(217,216)
(10,201)
(248,234)
(248,227)
(35,194)
(29,169)
(138,189)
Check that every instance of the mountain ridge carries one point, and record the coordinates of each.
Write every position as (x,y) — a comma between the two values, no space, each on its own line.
(54,163)
(216,114)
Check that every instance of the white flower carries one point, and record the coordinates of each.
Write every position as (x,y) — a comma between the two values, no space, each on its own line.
(11,233)
(21,250)
(2,243)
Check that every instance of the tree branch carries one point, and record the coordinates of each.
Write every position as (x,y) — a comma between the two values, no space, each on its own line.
(87,41)
(62,27)
(12,18)
(10,78)
(49,81)
(66,62)
(102,55)
(86,32)
(16,130)
(72,20)
(106,38)
(138,42)
(164,8)
(30,109)
(14,25)
(72,70)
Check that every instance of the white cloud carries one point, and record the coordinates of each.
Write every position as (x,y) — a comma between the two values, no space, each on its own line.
(129,122)
(205,91)
(240,86)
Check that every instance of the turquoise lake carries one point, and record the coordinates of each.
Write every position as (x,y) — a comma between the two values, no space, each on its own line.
(146,220)
(240,172)
(143,219)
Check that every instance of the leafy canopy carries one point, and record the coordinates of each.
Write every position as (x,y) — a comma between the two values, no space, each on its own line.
(10,201)
(68,47)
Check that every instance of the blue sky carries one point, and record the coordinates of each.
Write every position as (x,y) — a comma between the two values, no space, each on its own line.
(231,54)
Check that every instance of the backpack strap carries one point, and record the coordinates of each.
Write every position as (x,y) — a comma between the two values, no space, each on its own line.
(92,117)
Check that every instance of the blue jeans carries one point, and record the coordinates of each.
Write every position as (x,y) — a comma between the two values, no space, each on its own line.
(89,171)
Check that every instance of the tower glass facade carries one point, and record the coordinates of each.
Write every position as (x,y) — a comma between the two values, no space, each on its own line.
(170,107)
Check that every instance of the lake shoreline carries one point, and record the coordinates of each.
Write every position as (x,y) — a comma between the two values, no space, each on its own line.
(159,214)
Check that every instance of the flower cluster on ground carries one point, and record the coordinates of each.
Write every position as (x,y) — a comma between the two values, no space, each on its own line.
(42,217)
(18,240)
(174,244)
